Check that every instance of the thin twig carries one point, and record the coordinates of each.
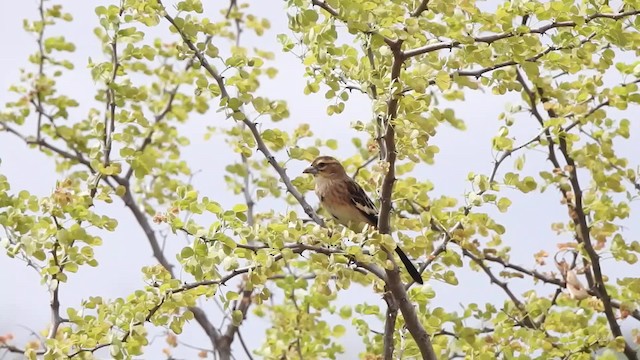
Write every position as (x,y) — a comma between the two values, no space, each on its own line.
(526,320)
(262,147)
(364,165)
(43,57)
(244,345)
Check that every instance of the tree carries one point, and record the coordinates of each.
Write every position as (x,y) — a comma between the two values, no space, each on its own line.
(568,67)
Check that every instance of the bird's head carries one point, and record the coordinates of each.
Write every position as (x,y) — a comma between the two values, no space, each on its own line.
(325,167)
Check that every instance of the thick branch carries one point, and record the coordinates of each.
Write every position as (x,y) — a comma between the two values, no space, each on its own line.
(326,7)
(594,258)
(394,282)
(143,221)
(576,211)
(533,101)
(424,4)
(419,334)
(390,144)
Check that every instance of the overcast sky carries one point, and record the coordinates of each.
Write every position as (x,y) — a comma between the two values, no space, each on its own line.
(25,303)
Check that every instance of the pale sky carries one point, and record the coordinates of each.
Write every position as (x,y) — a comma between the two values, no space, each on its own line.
(25,303)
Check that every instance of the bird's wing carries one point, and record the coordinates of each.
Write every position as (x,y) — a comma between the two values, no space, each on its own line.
(363,203)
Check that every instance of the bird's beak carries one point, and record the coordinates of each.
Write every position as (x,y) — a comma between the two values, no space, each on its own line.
(310,170)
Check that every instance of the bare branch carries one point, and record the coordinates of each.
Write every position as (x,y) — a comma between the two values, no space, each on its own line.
(533,273)
(54,285)
(110,113)
(549,280)
(390,144)
(246,190)
(43,57)
(17,350)
(533,102)
(364,165)
(389,325)
(431,48)
(42,142)
(244,346)
(526,320)
(576,210)
(143,221)
(326,7)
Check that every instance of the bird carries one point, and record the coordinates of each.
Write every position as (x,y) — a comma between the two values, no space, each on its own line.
(347,202)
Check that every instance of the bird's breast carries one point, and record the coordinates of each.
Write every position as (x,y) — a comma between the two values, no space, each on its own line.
(337,201)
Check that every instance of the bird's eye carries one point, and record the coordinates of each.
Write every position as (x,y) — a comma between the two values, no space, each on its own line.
(321,165)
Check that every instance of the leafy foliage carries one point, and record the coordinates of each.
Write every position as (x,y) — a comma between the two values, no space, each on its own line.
(571,66)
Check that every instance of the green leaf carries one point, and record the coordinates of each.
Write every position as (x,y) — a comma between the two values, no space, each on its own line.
(237,317)
(186,252)
(443,80)
(339,330)
(503,204)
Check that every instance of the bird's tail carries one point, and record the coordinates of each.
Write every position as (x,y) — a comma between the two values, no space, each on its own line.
(415,275)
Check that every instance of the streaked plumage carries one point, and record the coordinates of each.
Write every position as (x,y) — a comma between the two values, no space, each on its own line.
(347,202)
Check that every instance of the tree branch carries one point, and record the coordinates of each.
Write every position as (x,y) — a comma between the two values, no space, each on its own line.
(394,282)
(262,147)
(126,335)
(110,113)
(583,232)
(576,210)
(326,7)
(161,116)
(526,320)
(549,280)
(43,57)
(54,304)
(389,325)
(488,39)
(533,273)
(296,248)
(244,346)
(424,4)
(17,350)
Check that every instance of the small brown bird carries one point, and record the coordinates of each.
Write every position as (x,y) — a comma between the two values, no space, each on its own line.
(347,202)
